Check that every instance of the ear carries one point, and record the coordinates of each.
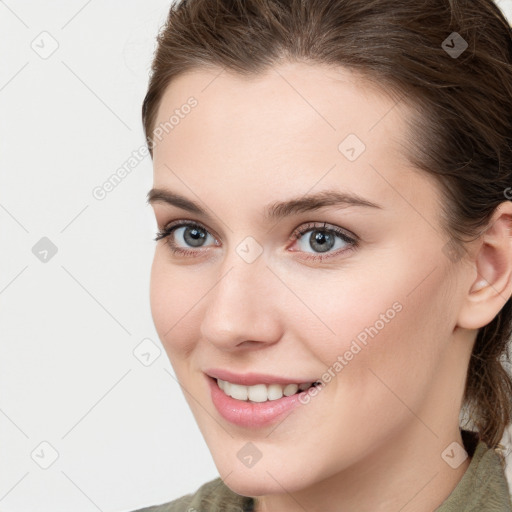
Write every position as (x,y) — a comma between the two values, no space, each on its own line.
(492,286)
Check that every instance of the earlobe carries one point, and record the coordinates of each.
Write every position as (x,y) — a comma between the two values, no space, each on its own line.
(492,286)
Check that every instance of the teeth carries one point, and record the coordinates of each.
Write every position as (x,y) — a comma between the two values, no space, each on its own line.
(290,389)
(256,393)
(261,392)
(239,392)
(275,392)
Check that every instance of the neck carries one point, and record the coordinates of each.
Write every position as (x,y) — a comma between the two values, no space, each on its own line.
(406,474)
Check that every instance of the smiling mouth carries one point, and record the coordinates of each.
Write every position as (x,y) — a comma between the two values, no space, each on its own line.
(262,392)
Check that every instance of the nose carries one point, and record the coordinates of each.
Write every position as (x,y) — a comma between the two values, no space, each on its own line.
(242,309)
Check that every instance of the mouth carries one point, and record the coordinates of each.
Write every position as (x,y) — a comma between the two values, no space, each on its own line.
(259,393)
(257,405)
(258,400)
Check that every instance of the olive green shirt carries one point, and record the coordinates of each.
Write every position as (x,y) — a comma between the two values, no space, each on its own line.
(483,488)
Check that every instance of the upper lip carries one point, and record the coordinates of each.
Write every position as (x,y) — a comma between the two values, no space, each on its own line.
(251,379)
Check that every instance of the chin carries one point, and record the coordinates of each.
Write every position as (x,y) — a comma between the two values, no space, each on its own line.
(248,483)
(264,478)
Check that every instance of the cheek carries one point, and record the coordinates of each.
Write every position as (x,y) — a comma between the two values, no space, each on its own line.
(172,299)
(380,324)
(346,310)
(395,364)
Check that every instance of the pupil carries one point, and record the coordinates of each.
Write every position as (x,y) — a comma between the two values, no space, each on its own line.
(194,235)
(322,239)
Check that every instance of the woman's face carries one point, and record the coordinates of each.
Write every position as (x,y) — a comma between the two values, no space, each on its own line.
(375,320)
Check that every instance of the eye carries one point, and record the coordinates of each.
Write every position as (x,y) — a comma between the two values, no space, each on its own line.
(323,239)
(192,233)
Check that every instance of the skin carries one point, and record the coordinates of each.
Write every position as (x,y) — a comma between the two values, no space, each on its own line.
(372,439)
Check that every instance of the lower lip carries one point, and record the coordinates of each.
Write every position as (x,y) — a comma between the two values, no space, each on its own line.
(251,414)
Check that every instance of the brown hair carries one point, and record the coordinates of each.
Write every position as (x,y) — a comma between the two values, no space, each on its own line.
(461,134)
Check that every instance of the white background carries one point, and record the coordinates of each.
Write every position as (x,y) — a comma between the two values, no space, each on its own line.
(122,432)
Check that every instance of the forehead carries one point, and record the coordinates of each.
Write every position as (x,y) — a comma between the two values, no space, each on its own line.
(290,126)
(321,97)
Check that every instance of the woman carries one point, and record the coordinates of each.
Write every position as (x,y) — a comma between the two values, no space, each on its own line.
(333,272)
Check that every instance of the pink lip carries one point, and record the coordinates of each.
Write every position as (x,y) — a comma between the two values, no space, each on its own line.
(251,379)
(251,414)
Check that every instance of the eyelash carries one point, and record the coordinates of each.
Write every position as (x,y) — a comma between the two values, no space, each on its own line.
(352,241)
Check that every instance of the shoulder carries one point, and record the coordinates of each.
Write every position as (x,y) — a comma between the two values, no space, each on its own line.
(490,483)
(483,487)
(213,496)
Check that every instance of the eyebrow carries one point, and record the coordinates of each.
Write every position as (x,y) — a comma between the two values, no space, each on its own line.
(273,211)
